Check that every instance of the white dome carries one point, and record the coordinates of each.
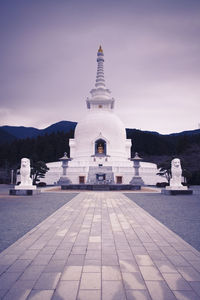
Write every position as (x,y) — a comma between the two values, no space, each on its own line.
(100,124)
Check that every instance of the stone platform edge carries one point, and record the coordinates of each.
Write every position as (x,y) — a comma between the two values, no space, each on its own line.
(20,192)
(176,192)
(100,187)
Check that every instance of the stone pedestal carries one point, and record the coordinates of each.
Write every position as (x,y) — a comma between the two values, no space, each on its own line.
(176,192)
(64,180)
(24,192)
(137,181)
(25,187)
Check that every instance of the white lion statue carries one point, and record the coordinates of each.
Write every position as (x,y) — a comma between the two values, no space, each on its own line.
(25,172)
(176,172)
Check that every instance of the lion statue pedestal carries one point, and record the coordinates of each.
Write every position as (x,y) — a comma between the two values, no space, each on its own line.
(176,186)
(26,187)
(25,172)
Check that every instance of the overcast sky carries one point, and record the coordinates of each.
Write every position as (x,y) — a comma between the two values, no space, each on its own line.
(152,61)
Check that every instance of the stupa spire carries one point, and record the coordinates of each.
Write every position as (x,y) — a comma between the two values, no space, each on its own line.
(100,81)
(100,95)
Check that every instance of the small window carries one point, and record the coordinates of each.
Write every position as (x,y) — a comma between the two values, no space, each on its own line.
(81,179)
(119,179)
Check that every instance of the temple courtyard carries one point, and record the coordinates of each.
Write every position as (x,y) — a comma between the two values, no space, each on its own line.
(99,245)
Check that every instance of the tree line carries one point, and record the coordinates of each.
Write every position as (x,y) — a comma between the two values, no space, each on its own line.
(153,147)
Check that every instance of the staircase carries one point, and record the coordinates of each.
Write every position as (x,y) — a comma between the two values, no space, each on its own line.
(100,175)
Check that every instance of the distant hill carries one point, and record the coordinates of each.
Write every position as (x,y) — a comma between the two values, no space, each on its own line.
(9,133)
(188,132)
(6,136)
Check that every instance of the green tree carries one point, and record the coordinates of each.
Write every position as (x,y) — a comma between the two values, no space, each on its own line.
(38,171)
(165,170)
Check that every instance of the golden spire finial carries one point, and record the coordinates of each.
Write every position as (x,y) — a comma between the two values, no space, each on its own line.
(100,49)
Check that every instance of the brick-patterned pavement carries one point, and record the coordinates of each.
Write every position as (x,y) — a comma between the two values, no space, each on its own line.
(100,245)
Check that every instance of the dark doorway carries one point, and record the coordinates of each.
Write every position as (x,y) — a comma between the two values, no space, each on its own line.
(100,177)
(81,179)
(119,179)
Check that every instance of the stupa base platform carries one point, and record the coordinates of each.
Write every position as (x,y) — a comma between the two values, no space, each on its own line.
(24,192)
(176,192)
(100,187)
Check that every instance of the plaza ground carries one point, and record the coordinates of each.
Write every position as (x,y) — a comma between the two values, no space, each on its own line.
(100,245)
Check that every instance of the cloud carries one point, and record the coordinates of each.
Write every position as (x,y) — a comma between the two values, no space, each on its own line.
(152,65)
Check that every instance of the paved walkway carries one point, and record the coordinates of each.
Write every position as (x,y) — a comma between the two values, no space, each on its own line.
(100,245)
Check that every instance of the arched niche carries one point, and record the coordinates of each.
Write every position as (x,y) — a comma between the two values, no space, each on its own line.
(100,147)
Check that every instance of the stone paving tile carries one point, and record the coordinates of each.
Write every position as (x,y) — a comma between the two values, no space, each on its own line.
(61,254)
(139,250)
(32,273)
(165,266)
(3,292)
(186,295)
(113,290)
(111,273)
(110,260)
(55,266)
(157,255)
(8,259)
(189,255)
(47,281)
(133,281)
(40,295)
(24,284)
(93,254)
(150,246)
(90,281)
(176,282)
(29,254)
(196,287)
(159,290)
(89,295)
(17,294)
(92,269)
(42,259)
(100,245)
(76,260)
(3,268)
(144,260)
(92,262)
(79,250)
(127,266)
(108,250)
(150,273)
(72,273)
(19,265)
(8,279)
(66,290)
(189,273)
(137,295)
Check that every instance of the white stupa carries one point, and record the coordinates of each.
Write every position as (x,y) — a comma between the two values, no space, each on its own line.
(100,150)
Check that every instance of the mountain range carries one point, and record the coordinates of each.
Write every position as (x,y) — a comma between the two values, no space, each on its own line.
(11,133)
